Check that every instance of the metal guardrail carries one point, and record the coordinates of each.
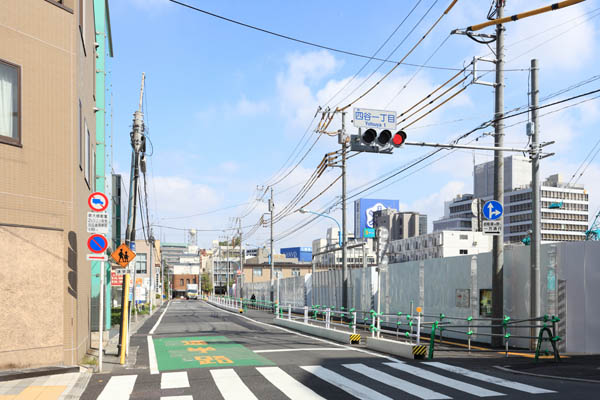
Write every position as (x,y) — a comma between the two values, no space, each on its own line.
(413,328)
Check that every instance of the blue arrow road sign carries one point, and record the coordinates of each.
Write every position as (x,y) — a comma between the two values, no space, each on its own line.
(492,210)
(97,243)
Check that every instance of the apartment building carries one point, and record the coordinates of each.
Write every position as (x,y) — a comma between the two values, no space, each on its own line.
(49,164)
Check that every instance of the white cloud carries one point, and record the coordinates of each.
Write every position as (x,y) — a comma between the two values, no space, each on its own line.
(180,196)
(229,166)
(246,107)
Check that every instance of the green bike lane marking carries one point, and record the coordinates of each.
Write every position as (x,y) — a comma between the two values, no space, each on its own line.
(203,351)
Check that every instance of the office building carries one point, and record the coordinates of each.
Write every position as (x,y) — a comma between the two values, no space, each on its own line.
(564,208)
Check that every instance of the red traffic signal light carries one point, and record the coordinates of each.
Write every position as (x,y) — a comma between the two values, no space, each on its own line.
(399,138)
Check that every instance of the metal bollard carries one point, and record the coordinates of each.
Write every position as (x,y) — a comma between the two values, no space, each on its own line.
(306,314)
(327,317)
(354,322)
(277,311)
(289,312)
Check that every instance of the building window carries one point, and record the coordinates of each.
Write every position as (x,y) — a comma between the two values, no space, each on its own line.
(80,137)
(82,10)
(194,280)
(295,271)
(187,281)
(257,271)
(464,237)
(140,263)
(463,251)
(278,272)
(86,152)
(181,282)
(10,103)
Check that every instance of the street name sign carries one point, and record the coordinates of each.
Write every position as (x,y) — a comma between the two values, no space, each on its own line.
(97,243)
(493,227)
(98,201)
(97,222)
(376,119)
(493,210)
(123,255)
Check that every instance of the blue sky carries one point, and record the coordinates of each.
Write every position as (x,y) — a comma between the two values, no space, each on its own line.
(226,106)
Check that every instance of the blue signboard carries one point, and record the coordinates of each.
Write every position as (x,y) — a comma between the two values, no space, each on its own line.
(492,210)
(303,254)
(368,233)
(363,212)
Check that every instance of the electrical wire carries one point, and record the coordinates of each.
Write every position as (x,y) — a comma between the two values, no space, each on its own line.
(282,36)
(374,54)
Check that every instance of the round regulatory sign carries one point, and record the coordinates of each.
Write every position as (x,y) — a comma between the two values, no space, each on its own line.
(98,201)
(97,243)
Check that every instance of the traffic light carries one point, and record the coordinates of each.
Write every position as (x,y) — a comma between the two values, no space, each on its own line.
(374,141)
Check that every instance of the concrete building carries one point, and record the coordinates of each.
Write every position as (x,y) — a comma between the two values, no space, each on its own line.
(439,245)
(49,164)
(564,208)
(225,263)
(327,253)
(172,251)
(400,224)
(142,270)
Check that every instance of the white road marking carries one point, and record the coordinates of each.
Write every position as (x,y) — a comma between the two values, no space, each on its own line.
(288,385)
(401,384)
(311,337)
(490,379)
(174,380)
(118,388)
(177,398)
(159,319)
(230,385)
(355,389)
(442,380)
(152,356)
(301,349)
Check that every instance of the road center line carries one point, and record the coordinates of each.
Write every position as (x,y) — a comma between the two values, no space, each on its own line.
(159,319)
(301,349)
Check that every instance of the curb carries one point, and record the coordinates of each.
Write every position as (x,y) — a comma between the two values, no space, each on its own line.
(545,376)
(34,373)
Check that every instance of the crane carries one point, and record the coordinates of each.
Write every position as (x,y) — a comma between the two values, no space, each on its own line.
(594,232)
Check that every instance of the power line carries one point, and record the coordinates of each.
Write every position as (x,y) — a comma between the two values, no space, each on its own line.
(207,212)
(282,36)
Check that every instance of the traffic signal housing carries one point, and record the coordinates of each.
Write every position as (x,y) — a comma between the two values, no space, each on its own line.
(373,141)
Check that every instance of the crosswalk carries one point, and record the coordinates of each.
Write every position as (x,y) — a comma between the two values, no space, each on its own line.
(381,381)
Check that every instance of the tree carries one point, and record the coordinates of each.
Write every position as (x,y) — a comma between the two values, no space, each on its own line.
(206,285)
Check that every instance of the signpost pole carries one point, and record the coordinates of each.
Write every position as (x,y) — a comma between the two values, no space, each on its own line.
(100,315)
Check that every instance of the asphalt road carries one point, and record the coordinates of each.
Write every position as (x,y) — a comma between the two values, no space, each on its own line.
(197,351)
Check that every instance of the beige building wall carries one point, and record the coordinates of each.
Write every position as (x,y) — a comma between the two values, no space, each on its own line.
(45,277)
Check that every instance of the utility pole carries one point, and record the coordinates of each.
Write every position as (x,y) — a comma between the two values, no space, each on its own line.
(272,257)
(151,291)
(138,146)
(241,275)
(535,199)
(344,230)
(228,266)
(498,240)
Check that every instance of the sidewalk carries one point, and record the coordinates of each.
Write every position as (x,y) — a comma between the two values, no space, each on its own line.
(575,367)
(60,382)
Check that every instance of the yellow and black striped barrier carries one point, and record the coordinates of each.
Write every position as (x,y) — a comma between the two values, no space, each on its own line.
(355,338)
(419,351)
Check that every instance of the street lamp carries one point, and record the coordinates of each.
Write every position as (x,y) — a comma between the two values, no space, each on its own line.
(303,211)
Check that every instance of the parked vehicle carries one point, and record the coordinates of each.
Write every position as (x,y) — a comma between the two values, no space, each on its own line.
(191,292)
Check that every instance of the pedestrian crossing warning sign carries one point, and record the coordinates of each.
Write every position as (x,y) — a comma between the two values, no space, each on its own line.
(123,255)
